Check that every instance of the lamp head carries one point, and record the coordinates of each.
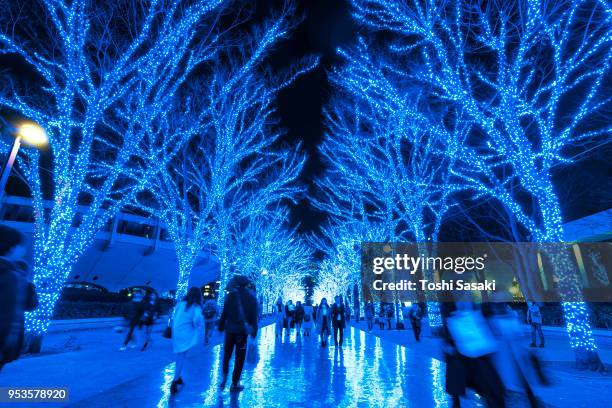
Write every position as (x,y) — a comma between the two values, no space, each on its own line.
(32,133)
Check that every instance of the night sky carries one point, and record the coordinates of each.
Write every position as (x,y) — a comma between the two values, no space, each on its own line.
(326,25)
(584,188)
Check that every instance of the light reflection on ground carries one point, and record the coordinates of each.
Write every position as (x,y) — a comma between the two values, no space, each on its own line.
(296,372)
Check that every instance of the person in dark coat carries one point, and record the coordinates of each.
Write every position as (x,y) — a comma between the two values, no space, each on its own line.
(369,314)
(462,372)
(238,319)
(299,317)
(17,294)
(135,318)
(151,311)
(338,314)
(415,316)
(323,324)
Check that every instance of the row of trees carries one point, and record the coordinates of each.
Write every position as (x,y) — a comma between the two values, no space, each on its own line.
(440,100)
(165,106)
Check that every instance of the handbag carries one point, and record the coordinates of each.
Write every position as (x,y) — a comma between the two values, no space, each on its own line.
(167,334)
(252,355)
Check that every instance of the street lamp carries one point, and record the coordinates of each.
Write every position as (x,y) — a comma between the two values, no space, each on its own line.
(31,133)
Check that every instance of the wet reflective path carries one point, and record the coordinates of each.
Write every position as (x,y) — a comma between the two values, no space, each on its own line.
(296,372)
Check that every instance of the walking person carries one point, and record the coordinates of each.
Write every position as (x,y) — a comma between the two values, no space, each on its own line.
(308,324)
(299,317)
(17,294)
(279,317)
(381,317)
(415,316)
(468,349)
(290,313)
(389,315)
(369,314)
(210,317)
(135,318)
(238,320)
(186,328)
(534,318)
(323,321)
(338,320)
(151,312)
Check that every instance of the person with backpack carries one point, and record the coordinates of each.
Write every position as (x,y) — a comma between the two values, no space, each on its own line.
(239,319)
(210,316)
(534,318)
(299,317)
(308,324)
(186,330)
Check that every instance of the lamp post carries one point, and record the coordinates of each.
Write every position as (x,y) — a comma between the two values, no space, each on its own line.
(31,133)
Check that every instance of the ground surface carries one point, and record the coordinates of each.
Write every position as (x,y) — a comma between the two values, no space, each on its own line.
(378,369)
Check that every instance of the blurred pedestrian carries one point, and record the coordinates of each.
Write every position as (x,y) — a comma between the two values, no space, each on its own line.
(238,320)
(137,309)
(534,318)
(415,316)
(290,314)
(517,366)
(389,315)
(468,349)
(279,317)
(186,328)
(151,312)
(369,314)
(381,317)
(308,324)
(17,294)
(323,321)
(210,317)
(299,317)
(338,320)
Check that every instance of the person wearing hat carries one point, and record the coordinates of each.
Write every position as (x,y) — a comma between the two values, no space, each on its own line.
(239,320)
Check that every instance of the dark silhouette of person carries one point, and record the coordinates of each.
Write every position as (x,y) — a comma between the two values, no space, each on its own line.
(17,294)
(338,321)
(239,320)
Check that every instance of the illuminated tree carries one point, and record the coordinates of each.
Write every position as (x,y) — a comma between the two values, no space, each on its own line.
(233,169)
(530,76)
(390,151)
(106,75)
(273,256)
(340,242)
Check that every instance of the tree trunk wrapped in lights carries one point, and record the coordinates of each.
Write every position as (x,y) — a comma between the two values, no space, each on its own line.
(232,170)
(107,83)
(529,76)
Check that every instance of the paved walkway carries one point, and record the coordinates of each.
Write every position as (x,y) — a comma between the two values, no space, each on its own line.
(295,372)
(368,371)
(569,387)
